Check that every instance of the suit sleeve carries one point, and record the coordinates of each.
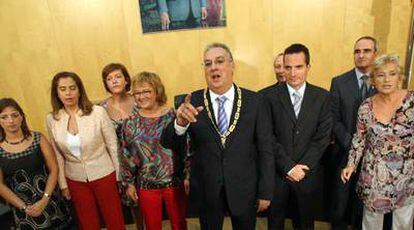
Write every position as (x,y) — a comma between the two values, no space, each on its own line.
(282,162)
(110,139)
(266,145)
(342,135)
(321,137)
(203,3)
(60,159)
(162,6)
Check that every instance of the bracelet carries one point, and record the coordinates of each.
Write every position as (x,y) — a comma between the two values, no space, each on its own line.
(46,195)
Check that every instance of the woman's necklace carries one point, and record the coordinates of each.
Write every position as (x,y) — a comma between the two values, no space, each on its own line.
(16,142)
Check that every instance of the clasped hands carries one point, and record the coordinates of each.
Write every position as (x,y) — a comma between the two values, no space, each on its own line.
(187,113)
(36,209)
(297,173)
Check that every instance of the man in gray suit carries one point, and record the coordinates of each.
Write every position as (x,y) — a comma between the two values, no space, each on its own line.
(181,14)
(348,90)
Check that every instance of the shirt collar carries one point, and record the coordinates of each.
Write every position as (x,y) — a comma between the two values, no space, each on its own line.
(359,74)
(229,95)
(301,90)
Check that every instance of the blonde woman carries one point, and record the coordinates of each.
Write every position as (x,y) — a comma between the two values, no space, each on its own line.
(385,142)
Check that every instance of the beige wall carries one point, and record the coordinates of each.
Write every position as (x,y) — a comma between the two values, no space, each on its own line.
(42,37)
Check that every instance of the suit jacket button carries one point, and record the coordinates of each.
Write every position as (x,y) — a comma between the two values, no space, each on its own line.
(297,132)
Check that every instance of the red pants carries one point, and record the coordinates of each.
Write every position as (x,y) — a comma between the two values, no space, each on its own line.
(150,203)
(91,197)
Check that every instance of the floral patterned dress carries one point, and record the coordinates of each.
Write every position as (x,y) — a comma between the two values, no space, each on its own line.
(25,173)
(386,181)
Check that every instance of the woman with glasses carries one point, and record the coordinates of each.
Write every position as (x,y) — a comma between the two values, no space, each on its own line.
(153,173)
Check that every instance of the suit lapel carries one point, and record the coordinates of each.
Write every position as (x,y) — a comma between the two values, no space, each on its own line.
(230,138)
(233,112)
(212,122)
(306,105)
(287,103)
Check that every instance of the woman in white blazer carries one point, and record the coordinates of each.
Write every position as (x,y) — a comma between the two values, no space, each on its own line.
(85,143)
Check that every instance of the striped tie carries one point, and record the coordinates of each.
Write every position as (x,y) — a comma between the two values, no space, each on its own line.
(222,118)
(296,102)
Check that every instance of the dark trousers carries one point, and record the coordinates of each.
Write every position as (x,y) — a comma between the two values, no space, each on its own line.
(300,195)
(190,22)
(345,206)
(211,218)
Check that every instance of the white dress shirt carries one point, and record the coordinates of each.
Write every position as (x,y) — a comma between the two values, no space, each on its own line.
(228,107)
(360,81)
(301,91)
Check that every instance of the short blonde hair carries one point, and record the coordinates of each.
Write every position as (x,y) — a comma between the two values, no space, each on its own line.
(155,81)
(386,59)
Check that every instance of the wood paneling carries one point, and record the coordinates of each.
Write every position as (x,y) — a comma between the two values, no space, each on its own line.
(42,37)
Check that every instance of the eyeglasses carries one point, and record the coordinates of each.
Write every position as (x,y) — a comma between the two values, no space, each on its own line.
(12,116)
(144,93)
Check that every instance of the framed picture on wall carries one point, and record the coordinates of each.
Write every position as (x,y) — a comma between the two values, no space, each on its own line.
(171,15)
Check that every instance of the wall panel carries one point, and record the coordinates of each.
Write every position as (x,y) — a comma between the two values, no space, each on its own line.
(42,37)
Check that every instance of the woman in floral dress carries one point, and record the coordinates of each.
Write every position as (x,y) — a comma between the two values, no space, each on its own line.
(384,142)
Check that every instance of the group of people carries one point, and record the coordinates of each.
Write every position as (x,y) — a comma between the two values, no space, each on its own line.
(95,151)
(237,152)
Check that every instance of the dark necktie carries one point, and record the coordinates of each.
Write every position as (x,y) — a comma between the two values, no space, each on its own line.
(364,87)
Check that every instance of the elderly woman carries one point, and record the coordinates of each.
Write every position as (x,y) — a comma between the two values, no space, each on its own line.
(158,171)
(28,173)
(86,147)
(385,142)
(119,106)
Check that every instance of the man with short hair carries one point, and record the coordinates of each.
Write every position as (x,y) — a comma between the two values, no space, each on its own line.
(279,68)
(302,123)
(233,145)
(348,90)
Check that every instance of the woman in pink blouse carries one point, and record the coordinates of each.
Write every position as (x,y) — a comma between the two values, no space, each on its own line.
(385,142)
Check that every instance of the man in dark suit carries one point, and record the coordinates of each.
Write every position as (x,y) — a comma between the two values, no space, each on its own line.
(348,90)
(232,142)
(302,124)
(279,68)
